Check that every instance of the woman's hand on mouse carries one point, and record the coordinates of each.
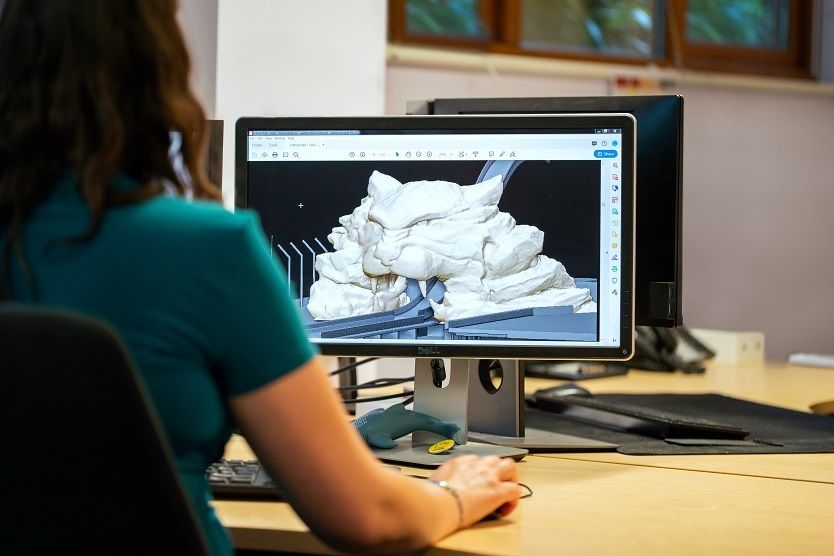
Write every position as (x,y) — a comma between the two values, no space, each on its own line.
(483,485)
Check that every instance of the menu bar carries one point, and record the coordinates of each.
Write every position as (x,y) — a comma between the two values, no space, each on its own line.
(289,148)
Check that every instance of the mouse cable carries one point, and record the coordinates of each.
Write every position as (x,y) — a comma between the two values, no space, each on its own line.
(527,492)
(352,365)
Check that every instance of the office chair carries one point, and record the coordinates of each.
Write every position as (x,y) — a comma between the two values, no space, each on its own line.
(85,467)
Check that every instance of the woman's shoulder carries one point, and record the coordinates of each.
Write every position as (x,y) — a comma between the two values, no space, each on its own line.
(189,230)
(175,214)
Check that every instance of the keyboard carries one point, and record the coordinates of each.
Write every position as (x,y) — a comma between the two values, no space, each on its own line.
(241,479)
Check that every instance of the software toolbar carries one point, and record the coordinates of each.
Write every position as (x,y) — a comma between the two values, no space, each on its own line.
(443,147)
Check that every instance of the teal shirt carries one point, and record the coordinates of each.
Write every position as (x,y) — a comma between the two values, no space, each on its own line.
(196,296)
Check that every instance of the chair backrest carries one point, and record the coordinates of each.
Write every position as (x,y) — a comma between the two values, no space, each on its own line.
(84,466)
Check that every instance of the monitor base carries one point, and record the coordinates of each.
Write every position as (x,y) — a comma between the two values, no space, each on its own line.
(484,397)
(536,440)
(417,454)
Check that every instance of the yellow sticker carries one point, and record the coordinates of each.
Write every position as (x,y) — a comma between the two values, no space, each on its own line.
(442,447)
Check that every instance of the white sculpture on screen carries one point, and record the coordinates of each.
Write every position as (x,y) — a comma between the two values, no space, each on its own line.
(437,229)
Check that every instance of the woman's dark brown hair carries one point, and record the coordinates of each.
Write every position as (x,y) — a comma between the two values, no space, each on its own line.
(93,87)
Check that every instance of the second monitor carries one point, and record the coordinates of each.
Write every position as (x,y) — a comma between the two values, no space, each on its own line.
(657,288)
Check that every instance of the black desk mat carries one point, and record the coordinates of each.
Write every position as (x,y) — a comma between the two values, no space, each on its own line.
(773,430)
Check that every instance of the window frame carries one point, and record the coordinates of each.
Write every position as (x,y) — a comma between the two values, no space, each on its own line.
(792,62)
(502,19)
(398,29)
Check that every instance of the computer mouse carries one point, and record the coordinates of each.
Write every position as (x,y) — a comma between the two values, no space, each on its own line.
(569,389)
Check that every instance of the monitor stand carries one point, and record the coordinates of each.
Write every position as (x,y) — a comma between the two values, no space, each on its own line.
(486,398)
(443,395)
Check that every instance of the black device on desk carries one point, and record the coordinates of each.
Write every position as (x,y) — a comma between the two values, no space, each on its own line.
(241,479)
(577,403)
(574,370)
(245,480)
(655,349)
(659,349)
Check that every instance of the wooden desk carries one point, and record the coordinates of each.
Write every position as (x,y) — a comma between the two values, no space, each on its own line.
(611,503)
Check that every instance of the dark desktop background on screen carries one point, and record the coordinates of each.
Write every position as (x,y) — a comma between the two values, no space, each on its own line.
(304,200)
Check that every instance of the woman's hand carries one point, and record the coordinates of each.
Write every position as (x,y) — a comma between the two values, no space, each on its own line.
(483,485)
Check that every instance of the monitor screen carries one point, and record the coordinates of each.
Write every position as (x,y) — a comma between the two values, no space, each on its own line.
(467,236)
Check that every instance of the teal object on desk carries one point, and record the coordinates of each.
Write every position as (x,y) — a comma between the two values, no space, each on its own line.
(380,427)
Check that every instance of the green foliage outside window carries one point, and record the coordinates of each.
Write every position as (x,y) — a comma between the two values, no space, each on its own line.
(449,18)
(623,27)
(754,23)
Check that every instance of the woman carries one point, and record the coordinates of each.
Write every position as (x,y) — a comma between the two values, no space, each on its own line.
(94,218)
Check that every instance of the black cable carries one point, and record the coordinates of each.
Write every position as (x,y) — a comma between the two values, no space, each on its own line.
(380,398)
(375,383)
(352,365)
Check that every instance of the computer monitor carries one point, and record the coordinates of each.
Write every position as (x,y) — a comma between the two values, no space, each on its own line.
(464,236)
(657,289)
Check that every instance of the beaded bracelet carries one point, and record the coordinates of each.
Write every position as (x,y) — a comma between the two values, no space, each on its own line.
(454,492)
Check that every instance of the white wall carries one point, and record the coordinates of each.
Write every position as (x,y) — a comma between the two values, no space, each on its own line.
(758,226)
(758,198)
(291,58)
(198,19)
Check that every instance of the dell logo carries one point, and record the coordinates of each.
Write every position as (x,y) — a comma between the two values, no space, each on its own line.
(428,351)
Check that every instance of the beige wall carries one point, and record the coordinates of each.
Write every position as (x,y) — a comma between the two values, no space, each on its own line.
(198,19)
(758,198)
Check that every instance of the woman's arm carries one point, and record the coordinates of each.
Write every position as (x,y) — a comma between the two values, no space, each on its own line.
(300,432)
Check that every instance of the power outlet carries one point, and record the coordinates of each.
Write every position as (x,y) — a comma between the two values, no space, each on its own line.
(737,348)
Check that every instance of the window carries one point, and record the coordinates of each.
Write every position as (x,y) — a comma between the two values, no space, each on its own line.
(452,20)
(455,23)
(750,36)
(755,24)
(753,36)
(609,28)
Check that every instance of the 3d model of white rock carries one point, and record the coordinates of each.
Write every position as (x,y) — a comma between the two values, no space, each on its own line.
(428,229)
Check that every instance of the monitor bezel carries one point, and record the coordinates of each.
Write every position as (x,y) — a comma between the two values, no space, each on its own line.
(405,124)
